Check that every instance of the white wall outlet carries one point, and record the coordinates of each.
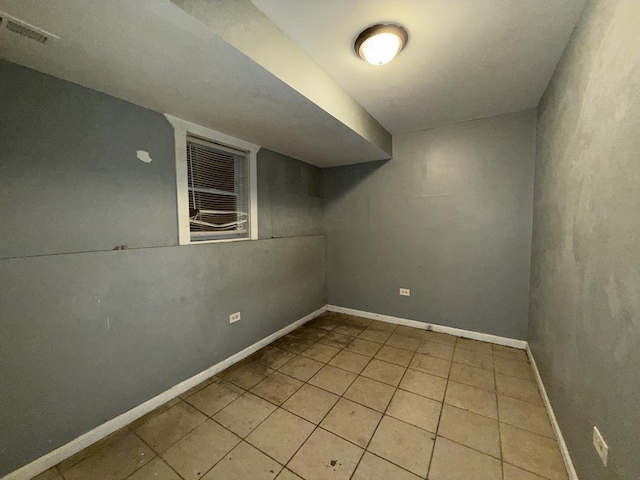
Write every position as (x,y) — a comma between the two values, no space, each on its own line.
(600,445)
(234,317)
(405,292)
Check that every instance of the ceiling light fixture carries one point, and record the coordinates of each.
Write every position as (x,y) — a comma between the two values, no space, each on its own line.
(379,44)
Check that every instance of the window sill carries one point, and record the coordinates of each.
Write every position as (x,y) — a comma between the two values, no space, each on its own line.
(222,240)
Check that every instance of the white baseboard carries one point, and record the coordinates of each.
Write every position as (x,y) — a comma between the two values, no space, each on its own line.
(483,337)
(62,453)
(571,471)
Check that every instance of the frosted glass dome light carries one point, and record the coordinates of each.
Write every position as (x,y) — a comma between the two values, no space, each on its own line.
(381,43)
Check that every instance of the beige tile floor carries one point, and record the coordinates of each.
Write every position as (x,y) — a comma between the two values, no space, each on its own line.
(344,398)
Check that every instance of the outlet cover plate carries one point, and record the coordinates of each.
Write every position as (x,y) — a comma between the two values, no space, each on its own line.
(234,317)
(600,445)
(405,292)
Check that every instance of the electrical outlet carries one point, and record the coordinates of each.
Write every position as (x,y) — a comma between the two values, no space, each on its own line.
(234,317)
(405,292)
(600,445)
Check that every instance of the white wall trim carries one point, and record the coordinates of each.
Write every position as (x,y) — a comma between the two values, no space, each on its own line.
(483,337)
(571,471)
(181,129)
(62,453)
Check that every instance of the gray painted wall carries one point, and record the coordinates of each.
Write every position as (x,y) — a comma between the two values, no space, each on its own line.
(584,327)
(87,336)
(449,217)
(289,196)
(69,177)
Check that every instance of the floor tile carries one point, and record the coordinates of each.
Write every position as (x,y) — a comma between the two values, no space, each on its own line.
(100,444)
(333,379)
(292,344)
(351,330)
(439,338)
(395,355)
(280,435)
(325,323)
(473,376)
(115,461)
(320,352)
(370,393)
(409,332)
(195,389)
(352,362)
(228,385)
(363,347)
(311,403)
(51,474)
(156,469)
(382,326)
(514,473)
(357,321)
(211,399)
(432,365)
(244,414)
(302,368)
(532,452)
(404,342)
(374,335)
(403,444)
(475,359)
(474,345)
(325,456)
(514,368)
(510,353)
(384,372)
(247,374)
(482,402)
(376,468)
(272,357)
(525,415)
(352,422)
(167,428)
(244,462)
(310,333)
(436,350)
(424,384)
(337,340)
(415,409)
(456,462)
(277,387)
(196,453)
(470,429)
(517,388)
(287,475)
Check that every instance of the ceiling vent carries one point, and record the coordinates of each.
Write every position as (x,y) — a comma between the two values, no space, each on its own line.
(16,25)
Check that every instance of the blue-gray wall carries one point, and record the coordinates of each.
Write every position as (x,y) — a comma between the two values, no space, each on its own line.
(289,196)
(584,328)
(87,333)
(449,217)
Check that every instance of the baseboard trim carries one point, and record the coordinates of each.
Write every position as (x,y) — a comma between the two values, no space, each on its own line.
(571,471)
(483,337)
(65,451)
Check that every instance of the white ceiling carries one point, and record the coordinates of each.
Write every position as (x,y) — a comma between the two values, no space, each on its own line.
(465,59)
(152,53)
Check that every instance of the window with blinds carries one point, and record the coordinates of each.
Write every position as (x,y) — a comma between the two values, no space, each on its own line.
(218,191)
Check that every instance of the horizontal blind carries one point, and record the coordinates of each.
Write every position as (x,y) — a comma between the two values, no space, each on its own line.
(218,196)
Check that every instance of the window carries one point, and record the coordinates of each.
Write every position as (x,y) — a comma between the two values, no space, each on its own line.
(216,185)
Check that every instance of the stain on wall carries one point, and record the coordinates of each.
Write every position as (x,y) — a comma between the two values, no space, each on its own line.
(584,327)
(449,217)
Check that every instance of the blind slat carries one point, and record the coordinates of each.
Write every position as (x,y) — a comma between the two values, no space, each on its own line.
(218,195)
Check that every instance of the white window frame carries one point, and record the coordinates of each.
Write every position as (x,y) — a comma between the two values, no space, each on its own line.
(182,129)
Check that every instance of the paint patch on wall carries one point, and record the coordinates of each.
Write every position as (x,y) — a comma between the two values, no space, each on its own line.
(144,156)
